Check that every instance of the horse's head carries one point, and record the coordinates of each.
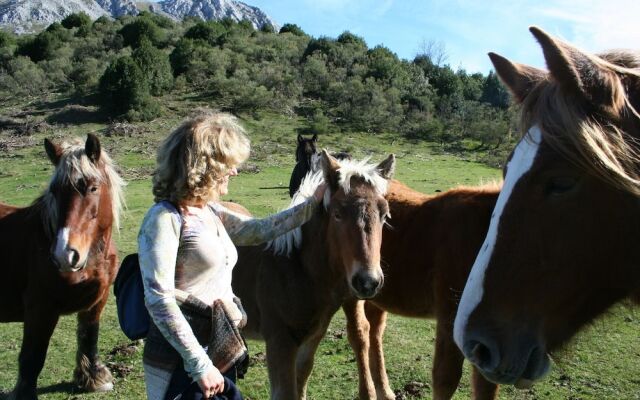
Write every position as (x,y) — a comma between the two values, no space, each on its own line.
(561,244)
(82,202)
(306,149)
(357,211)
(353,213)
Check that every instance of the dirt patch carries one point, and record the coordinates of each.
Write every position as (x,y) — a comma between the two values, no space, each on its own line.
(411,389)
(13,142)
(123,129)
(75,114)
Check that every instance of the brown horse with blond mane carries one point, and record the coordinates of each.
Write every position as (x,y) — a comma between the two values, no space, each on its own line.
(58,258)
(292,289)
(428,248)
(562,245)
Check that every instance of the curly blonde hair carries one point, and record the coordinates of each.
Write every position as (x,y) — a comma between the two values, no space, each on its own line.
(195,157)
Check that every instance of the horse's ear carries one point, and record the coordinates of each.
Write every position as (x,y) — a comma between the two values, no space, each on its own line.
(387,168)
(575,71)
(300,138)
(315,137)
(519,78)
(92,148)
(54,152)
(330,167)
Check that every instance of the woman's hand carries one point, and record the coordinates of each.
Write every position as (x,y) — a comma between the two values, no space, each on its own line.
(319,193)
(211,383)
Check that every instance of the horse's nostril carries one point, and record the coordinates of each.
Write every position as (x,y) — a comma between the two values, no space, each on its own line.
(365,286)
(74,257)
(482,354)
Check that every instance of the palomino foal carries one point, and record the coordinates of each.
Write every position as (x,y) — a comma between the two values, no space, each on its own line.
(562,244)
(292,289)
(428,248)
(58,258)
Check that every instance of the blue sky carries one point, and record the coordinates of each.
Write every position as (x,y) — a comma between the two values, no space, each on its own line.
(468,28)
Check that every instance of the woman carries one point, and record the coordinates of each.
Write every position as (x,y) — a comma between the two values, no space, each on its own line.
(187,240)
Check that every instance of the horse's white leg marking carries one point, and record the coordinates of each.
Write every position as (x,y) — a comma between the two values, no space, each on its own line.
(519,165)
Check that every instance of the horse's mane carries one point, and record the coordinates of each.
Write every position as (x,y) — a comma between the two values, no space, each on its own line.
(596,143)
(285,244)
(74,165)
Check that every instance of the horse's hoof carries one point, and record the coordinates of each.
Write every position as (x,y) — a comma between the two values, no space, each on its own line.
(107,387)
(93,378)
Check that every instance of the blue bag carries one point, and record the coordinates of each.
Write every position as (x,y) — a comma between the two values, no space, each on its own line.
(132,313)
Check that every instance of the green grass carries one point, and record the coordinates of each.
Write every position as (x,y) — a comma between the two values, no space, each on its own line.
(601,363)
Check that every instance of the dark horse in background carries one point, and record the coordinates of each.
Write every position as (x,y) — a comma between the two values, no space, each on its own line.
(292,289)
(306,157)
(562,246)
(305,150)
(58,257)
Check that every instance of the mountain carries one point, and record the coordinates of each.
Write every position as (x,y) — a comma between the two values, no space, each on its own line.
(22,16)
(214,9)
(118,8)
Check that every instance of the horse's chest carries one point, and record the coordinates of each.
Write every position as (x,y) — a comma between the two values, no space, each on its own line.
(75,292)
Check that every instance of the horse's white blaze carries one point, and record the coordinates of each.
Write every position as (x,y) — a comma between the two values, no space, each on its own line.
(62,243)
(519,165)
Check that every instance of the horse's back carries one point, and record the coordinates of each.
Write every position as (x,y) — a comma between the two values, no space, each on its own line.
(430,245)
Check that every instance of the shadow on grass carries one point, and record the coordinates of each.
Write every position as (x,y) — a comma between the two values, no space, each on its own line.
(62,387)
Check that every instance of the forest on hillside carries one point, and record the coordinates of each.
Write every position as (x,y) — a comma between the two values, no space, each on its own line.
(127,66)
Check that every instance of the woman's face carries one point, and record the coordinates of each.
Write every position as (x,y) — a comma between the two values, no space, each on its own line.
(223,187)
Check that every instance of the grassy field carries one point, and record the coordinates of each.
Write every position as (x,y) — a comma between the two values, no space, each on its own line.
(602,363)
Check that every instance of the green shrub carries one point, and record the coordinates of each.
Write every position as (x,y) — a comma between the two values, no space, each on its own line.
(133,32)
(155,67)
(76,20)
(293,29)
(41,47)
(210,32)
(123,87)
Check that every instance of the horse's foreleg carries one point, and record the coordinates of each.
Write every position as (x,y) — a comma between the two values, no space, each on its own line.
(281,359)
(90,374)
(378,320)
(358,334)
(482,388)
(304,360)
(38,328)
(447,362)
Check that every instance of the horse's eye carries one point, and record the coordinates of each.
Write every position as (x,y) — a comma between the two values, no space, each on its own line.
(560,184)
(336,215)
(93,189)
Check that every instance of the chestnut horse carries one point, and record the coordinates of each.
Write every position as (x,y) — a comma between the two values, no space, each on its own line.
(292,289)
(58,258)
(428,248)
(562,245)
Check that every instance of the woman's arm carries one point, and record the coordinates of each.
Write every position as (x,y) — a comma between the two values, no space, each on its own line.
(245,231)
(158,242)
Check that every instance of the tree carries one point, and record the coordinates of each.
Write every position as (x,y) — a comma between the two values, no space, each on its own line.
(41,47)
(293,29)
(210,32)
(133,32)
(494,92)
(76,20)
(433,50)
(155,67)
(6,39)
(124,89)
